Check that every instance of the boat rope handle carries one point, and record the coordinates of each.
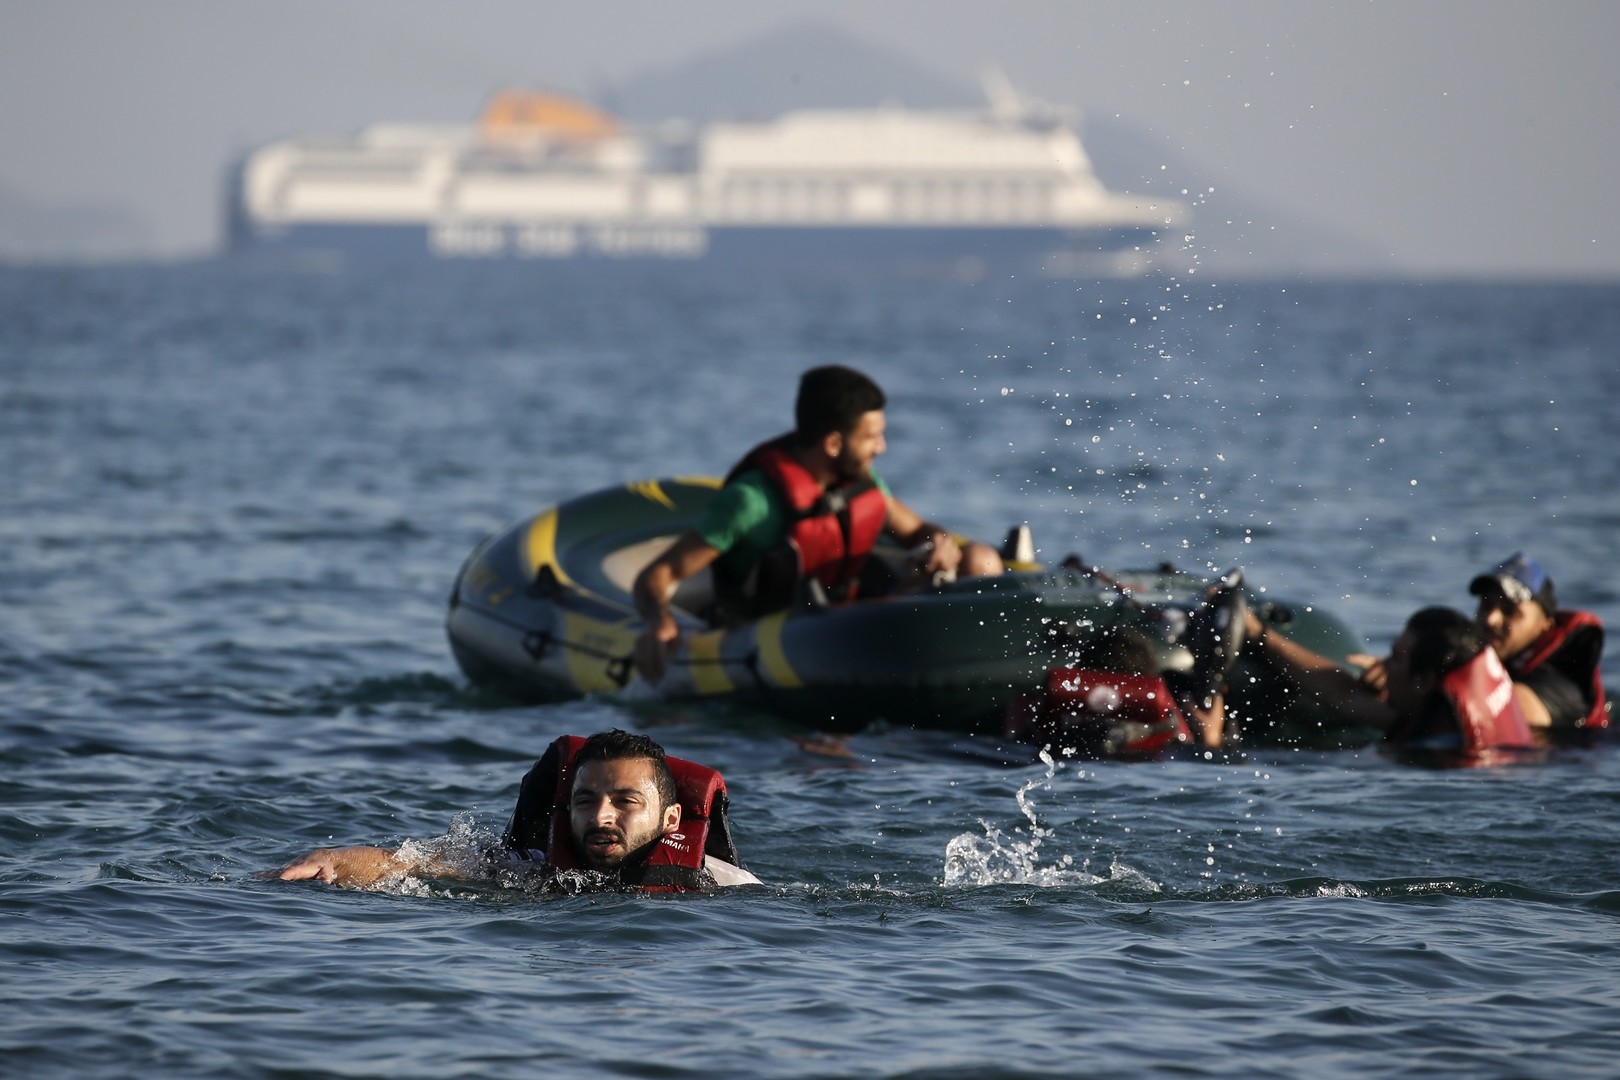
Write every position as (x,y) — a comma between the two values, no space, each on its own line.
(536,643)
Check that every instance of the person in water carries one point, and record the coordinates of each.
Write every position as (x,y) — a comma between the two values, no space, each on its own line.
(808,498)
(1441,688)
(609,807)
(1113,676)
(1551,655)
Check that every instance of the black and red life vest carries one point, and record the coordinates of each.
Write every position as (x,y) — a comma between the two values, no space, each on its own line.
(1099,714)
(832,529)
(542,823)
(1566,624)
(1488,716)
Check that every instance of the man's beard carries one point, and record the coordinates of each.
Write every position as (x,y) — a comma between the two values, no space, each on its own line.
(617,836)
(848,468)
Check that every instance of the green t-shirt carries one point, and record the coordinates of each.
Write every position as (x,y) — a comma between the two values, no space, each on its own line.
(745,519)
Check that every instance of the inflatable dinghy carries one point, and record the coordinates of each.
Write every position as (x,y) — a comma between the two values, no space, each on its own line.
(544,610)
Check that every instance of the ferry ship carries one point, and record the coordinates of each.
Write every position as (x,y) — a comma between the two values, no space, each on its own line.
(543,177)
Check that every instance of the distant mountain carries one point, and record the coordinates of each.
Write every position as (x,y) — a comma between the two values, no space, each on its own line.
(1234,232)
(806,65)
(798,66)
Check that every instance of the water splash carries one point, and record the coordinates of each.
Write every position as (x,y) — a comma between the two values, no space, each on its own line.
(462,853)
(998,858)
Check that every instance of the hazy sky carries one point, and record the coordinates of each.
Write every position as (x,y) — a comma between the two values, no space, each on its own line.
(1455,136)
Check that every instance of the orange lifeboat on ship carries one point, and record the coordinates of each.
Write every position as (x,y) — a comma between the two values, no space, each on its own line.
(516,115)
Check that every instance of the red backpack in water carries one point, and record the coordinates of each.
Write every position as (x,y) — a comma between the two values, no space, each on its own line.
(1099,714)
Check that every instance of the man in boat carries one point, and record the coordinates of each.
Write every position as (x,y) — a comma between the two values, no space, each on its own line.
(1442,688)
(805,508)
(612,809)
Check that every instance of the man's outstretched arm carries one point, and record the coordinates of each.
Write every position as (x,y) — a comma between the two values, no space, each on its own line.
(653,588)
(361,866)
(910,529)
(1360,699)
(357,866)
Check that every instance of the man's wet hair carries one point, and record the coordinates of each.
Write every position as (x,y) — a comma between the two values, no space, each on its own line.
(617,745)
(1118,650)
(833,399)
(1443,640)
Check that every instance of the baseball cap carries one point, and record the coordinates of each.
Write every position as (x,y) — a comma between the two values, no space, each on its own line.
(1519,578)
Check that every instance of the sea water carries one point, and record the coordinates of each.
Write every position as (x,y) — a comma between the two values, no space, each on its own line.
(233,500)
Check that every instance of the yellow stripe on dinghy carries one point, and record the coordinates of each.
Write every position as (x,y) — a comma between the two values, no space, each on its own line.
(540,547)
(708,673)
(773,660)
(653,490)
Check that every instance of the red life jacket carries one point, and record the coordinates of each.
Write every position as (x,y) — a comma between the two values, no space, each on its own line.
(675,864)
(1100,714)
(1488,716)
(1565,625)
(833,529)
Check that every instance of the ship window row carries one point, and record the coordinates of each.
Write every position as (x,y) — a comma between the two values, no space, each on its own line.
(973,198)
(791,199)
(359,168)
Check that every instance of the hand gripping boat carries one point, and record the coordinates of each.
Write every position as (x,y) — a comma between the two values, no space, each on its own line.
(544,609)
